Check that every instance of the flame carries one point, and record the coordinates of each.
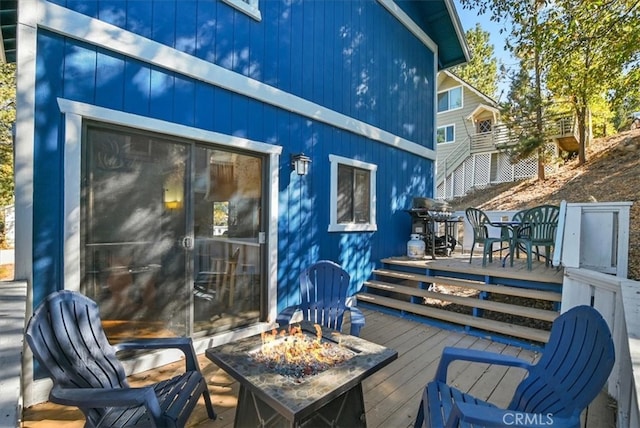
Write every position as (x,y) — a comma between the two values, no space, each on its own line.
(297,352)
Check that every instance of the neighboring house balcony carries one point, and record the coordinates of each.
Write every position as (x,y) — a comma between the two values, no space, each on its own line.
(482,159)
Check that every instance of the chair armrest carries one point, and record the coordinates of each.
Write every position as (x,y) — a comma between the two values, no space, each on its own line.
(450,354)
(184,344)
(107,397)
(284,317)
(357,320)
(496,417)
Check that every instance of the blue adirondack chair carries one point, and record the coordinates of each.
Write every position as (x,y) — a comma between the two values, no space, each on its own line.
(323,291)
(66,336)
(572,371)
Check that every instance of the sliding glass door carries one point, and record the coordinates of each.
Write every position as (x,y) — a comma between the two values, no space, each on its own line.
(171,234)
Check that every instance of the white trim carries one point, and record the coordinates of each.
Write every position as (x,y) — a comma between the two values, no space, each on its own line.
(483,107)
(75,113)
(23,176)
(334,226)
(468,86)
(453,125)
(72,195)
(117,117)
(409,23)
(250,8)
(449,90)
(81,27)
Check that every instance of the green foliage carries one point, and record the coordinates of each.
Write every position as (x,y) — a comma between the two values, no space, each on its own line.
(7,118)
(576,50)
(481,71)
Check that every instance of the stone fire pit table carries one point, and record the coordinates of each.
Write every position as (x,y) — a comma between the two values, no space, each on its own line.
(330,398)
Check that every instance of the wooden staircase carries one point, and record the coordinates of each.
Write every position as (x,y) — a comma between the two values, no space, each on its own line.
(514,311)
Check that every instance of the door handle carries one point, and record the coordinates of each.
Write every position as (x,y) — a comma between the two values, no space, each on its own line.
(187,243)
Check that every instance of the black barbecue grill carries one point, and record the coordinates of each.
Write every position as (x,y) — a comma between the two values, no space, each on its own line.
(434,221)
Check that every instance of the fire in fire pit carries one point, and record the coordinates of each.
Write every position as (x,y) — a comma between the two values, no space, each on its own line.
(298,355)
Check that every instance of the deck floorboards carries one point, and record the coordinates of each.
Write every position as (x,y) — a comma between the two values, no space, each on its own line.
(391,395)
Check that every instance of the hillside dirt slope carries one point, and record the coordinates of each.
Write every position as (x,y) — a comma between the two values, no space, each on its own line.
(611,174)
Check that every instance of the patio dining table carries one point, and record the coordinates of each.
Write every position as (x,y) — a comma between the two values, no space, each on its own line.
(513,226)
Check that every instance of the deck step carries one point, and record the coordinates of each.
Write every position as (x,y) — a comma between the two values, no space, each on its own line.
(480,286)
(526,333)
(473,302)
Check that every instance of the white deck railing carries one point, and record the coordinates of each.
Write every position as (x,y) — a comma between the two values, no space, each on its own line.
(592,245)
(618,300)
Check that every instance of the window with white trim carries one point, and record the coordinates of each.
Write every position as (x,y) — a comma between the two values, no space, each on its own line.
(250,7)
(446,134)
(353,195)
(450,99)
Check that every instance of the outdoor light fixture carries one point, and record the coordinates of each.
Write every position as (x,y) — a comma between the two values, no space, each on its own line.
(300,163)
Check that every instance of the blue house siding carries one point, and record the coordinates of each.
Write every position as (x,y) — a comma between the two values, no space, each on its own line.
(365,83)
(350,56)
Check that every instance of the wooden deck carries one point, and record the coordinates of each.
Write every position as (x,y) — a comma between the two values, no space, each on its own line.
(391,395)
(459,262)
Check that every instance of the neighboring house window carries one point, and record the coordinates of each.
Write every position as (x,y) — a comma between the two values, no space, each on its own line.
(484,126)
(353,195)
(446,134)
(250,7)
(450,99)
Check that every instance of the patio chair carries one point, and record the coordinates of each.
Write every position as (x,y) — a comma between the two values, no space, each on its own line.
(480,224)
(66,336)
(541,223)
(323,291)
(573,369)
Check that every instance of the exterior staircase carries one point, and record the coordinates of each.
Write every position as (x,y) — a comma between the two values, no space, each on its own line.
(483,305)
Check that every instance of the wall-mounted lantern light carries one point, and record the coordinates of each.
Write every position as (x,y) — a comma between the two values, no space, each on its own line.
(300,163)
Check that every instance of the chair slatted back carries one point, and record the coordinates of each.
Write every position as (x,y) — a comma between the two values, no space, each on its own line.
(573,369)
(66,336)
(478,220)
(542,223)
(323,289)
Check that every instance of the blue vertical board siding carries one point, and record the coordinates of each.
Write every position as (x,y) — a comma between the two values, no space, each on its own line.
(186,19)
(109,80)
(256,50)
(138,82)
(89,8)
(222,118)
(350,56)
(270,17)
(139,14)
(183,107)
(243,114)
(79,72)
(284,47)
(161,94)
(204,105)
(163,20)
(47,181)
(113,12)
(307,53)
(206,31)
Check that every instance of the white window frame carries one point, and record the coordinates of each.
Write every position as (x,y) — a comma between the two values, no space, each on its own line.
(451,125)
(334,226)
(449,99)
(250,7)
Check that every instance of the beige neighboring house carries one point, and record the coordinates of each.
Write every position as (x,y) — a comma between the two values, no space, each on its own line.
(468,136)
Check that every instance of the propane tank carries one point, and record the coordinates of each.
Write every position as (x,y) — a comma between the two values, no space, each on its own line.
(415,247)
